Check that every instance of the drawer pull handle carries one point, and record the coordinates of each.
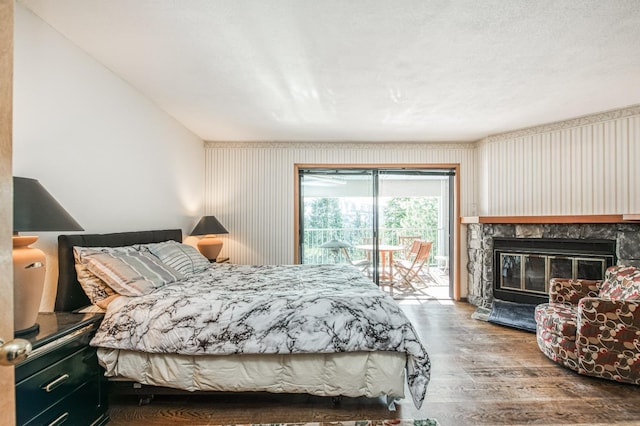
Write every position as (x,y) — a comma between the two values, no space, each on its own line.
(57,382)
(63,418)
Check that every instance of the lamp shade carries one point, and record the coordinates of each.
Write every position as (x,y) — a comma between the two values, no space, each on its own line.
(209,225)
(34,209)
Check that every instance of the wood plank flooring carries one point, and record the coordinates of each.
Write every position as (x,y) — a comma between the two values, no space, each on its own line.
(482,374)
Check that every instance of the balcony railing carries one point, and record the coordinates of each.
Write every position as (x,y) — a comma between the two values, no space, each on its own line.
(314,238)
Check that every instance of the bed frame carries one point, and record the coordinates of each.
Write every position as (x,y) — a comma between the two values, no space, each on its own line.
(71,297)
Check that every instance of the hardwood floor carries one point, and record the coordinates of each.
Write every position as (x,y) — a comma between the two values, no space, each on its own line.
(482,374)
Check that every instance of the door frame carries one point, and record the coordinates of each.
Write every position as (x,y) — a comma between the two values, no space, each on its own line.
(7,381)
(420,166)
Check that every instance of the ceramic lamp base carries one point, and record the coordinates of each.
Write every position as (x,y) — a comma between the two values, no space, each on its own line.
(210,247)
(28,283)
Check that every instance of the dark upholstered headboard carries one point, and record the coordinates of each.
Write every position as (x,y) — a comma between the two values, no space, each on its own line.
(70,295)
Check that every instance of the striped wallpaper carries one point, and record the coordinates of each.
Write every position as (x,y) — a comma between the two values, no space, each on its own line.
(249,186)
(583,166)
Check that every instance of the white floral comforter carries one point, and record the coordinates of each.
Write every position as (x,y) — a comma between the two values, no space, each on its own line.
(275,309)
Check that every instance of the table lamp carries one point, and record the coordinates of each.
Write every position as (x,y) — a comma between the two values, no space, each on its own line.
(34,210)
(210,245)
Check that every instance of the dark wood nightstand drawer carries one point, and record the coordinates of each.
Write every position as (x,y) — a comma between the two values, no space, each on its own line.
(77,408)
(51,384)
(55,351)
(61,382)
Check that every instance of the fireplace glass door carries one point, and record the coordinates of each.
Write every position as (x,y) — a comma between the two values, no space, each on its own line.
(530,273)
(560,267)
(535,273)
(524,266)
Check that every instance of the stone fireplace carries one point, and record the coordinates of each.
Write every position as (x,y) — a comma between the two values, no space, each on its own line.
(524,266)
(623,240)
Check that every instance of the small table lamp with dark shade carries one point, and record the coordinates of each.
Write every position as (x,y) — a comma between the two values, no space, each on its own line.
(34,210)
(209,246)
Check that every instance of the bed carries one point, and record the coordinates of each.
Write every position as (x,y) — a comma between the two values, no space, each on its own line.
(317,329)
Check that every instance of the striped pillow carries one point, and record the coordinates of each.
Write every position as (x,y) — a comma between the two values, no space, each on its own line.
(183,258)
(95,289)
(130,274)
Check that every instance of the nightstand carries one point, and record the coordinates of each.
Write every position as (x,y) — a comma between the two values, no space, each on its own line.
(221,259)
(61,381)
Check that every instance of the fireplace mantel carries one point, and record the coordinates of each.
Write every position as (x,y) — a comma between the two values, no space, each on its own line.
(599,218)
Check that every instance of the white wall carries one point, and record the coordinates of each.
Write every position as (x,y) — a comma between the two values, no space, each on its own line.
(584,166)
(112,158)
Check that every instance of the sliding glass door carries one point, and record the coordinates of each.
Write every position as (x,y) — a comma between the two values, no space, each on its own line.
(368,217)
(336,215)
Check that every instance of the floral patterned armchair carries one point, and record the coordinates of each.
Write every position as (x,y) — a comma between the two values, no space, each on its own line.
(593,327)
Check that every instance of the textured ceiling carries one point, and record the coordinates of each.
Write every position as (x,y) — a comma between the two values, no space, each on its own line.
(374,70)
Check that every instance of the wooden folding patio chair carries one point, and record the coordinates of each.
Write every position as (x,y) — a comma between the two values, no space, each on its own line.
(408,242)
(407,271)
